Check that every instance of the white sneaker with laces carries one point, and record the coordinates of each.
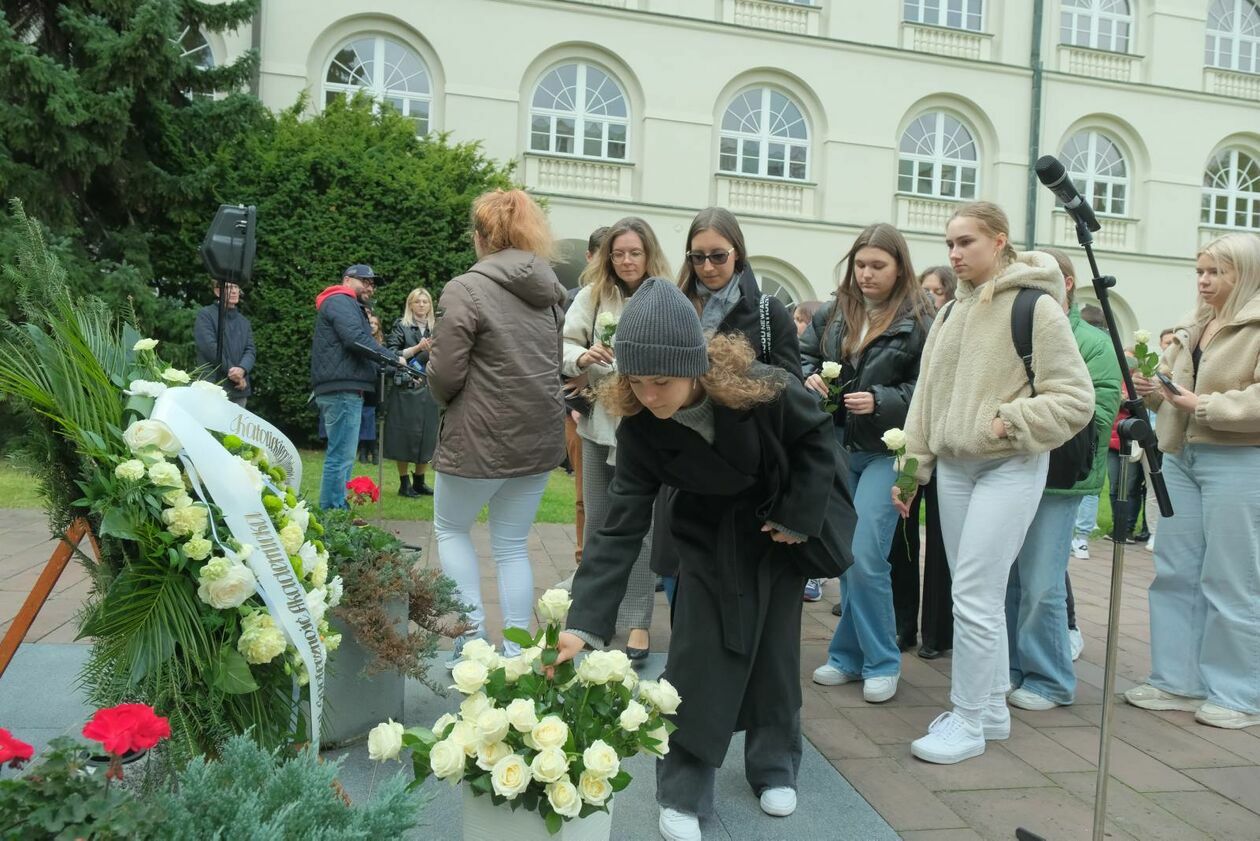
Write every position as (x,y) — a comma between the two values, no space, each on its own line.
(950,739)
(995,721)
(1217,716)
(1077,641)
(1080,549)
(1026,699)
(876,690)
(779,802)
(1150,698)
(678,826)
(829,675)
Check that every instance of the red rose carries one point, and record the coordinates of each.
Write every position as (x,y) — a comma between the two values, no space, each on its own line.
(13,751)
(127,727)
(362,486)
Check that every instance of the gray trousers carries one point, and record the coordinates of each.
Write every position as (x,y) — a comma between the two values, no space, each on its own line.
(772,759)
(640,598)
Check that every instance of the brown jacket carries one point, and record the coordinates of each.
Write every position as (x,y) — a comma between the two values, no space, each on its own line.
(495,369)
(1228,385)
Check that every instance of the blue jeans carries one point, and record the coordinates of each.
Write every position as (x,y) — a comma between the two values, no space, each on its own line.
(341,412)
(1036,604)
(1205,600)
(1086,517)
(865,641)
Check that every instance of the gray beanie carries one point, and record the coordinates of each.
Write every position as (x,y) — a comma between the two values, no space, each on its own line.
(659,334)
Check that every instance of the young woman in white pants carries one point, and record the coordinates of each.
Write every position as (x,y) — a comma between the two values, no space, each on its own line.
(975,419)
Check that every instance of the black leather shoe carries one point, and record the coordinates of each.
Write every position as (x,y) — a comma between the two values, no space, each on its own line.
(636,653)
(404,487)
(927,652)
(907,642)
(418,485)
(835,609)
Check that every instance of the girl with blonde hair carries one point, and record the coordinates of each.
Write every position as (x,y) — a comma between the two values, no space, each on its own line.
(411,416)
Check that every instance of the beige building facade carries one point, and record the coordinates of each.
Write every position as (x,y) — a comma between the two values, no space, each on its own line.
(811,120)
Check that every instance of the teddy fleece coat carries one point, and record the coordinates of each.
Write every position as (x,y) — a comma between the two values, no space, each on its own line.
(970,374)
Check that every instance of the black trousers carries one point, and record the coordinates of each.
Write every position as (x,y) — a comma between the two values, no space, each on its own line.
(938,604)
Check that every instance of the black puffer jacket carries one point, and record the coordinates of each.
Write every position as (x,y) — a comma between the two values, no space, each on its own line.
(337,364)
(888,368)
(745,317)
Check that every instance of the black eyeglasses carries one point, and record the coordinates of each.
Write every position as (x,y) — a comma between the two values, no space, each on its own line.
(717,258)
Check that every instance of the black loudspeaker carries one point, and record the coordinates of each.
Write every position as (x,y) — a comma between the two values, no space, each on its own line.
(228,249)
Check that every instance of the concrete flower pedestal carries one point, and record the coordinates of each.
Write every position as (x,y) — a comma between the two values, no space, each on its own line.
(354,704)
(484,821)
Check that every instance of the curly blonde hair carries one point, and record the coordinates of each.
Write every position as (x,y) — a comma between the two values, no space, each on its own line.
(729,382)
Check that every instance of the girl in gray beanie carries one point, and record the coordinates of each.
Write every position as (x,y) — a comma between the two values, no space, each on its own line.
(760,507)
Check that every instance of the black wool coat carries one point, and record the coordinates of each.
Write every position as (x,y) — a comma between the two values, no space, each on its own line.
(745,318)
(735,647)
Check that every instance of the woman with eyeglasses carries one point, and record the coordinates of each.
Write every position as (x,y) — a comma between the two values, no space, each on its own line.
(874,329)
(627,256)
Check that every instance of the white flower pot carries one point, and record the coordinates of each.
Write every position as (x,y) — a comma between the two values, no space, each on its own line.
(484,821)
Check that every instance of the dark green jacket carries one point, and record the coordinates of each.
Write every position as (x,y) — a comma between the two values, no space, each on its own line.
(1104,372)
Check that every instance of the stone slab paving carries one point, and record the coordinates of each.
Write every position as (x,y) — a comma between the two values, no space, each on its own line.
(1172,778)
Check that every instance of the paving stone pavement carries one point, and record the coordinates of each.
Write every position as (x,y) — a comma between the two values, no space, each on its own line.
(1171,777)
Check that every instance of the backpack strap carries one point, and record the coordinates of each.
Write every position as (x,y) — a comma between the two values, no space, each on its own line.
(1022,329)
(763,312)
(946,310)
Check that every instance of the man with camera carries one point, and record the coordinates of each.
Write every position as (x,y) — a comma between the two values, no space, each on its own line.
(342,370)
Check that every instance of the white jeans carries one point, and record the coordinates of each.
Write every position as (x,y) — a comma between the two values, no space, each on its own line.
(513,503)
(986,509)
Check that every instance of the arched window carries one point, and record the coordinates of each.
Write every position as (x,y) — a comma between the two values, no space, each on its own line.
(1098,170)
(391,73)
(1097,24)
(1231,191)
(580,110)
(772,284)
(194,46)
(1233,36)
(938,158)
(764,134)
(956,14)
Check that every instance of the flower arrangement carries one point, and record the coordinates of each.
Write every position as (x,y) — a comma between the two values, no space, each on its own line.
(548,744)
(1147,360)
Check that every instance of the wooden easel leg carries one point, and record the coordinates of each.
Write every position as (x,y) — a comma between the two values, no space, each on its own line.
(43,589)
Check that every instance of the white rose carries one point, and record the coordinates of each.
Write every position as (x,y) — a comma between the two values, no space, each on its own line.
(515,668)
(470,676)
(488,755)
(830,371)
(595,669)
(605,319)
(254,481)
(480,651)
(465,733)
(197,549)
(473,706)
(894,439)
(174,375)
(439,726)
(225,584)
(316,571)
(601,760)
(1142,337)
(619,665)
(145,344)
(663,737)
(142,434)
(532,654)
(209,389)
(554,606)
(261,641)
(166,475)
(493,725)
(336,589)
(291,538)
(509,777)
(594,790)
(316,605)
(564,799)
(132,470)
(146,388)
(447,759)
(631,680)
(549,765)
(385,741)
(551,732)
(633,716)
(522,715)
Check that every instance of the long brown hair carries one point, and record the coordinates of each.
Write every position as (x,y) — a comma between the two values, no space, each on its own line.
(511,219)
(722,222)
(904,299)
(600,274)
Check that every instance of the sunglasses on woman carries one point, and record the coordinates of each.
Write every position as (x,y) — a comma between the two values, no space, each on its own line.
(717,258)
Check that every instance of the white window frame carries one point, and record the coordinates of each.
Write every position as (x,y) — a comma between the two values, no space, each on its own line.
(775,285)
(938,12)
(1235,195)
(939,160)
(1238,47)
(1094,12)
(382,87)
(581,115)
(765,136)
(1099,187)
(206,63)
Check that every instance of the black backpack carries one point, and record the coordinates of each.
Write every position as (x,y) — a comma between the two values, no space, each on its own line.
(1074,460)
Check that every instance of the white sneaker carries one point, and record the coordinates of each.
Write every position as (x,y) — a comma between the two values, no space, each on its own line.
(1218,716)
(876,690)
(678,826)
(995,721)
(1026,699)
(1149,698)
(950,739)
(829,675)
(779,802)
(1077,641)
(1080,549)
(1150,545)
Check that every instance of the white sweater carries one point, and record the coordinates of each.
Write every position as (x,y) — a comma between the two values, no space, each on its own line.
(579,335)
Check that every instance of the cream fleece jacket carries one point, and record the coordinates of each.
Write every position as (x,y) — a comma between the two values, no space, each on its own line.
(600,427)
(1228,385)
(971,373)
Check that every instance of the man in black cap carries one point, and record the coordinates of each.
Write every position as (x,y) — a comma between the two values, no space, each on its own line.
(341,372)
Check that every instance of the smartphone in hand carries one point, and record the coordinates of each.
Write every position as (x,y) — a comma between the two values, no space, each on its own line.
(1167,383)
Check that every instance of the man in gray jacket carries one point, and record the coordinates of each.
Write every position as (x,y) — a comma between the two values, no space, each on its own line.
(238,344)
(341,372)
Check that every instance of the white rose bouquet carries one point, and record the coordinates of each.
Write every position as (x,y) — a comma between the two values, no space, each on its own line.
(1148,360)
(553,745)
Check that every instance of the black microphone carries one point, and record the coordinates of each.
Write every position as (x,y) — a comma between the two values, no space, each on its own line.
(1053,174)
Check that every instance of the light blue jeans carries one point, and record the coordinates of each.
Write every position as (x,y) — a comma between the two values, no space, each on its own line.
(341,411)
(1036,604)
(1086,517)
(1205,600)
(513,503)
(865,641)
